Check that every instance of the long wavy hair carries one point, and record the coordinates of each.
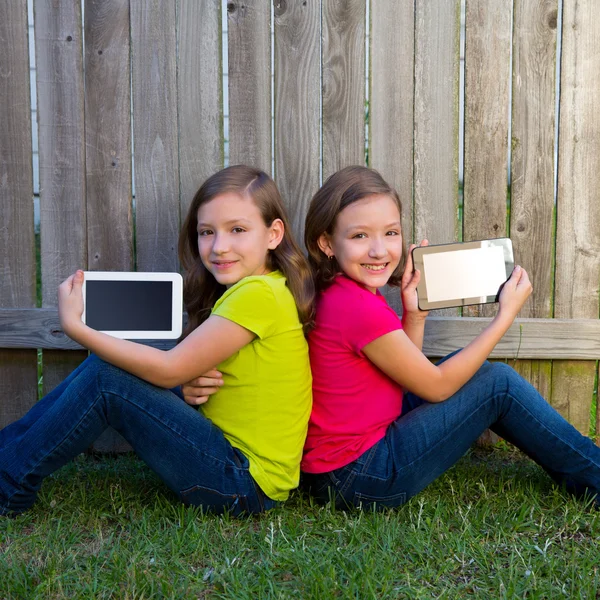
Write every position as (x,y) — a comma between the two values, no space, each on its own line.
(341,189)
(201,290)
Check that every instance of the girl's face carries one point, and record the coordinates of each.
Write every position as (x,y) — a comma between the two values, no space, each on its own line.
(233,240)
(366,240)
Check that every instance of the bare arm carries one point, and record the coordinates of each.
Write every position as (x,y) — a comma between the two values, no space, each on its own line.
(211,343)
(397,356)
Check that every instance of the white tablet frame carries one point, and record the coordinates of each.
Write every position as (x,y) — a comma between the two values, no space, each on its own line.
(418,263)
(176,301)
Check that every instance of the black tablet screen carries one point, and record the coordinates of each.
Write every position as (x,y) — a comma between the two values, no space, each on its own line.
(129,305)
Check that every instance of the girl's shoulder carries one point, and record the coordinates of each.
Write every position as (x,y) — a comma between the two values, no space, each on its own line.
(258,290)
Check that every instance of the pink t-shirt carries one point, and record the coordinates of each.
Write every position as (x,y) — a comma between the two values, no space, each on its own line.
(353,401)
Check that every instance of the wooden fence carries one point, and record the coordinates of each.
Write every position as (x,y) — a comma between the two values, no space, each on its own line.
(164,58)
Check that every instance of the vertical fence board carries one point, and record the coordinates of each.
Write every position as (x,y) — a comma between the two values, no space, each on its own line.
(343,73)
(391,106)
(249,44)
(61,135)
(487,82)
(153,45)
(578,208)
(437,36)
(532,170)
(108,135)
(297,88)
(199,95)
(108,148)
(18,368)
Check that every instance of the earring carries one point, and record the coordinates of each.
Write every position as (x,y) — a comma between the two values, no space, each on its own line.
(331,257)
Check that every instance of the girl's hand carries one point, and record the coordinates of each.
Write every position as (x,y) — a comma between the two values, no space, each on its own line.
(197,391)
(408,286)
(70,302)
(515,292)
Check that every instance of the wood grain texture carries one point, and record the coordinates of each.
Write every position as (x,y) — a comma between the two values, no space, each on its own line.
(199,95)
(153,48)
(532,169)
(249,50)
(528,338)
(487,83)
(437,26)
(108,135)
(61,135)
(437,36)
(391,107)
(343,76)
(297,91)
(578,209)
(18,369)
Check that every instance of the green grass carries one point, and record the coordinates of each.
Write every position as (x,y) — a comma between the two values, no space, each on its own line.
(493,527)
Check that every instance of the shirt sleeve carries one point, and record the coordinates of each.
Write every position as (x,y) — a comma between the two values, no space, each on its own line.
(371,318)
(252,304)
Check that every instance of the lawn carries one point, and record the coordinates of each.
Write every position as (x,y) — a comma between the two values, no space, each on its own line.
(493,527)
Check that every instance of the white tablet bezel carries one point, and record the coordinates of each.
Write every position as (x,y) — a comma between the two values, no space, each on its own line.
(418,263)
(176,301)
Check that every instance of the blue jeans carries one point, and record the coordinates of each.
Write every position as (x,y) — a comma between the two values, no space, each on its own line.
(428,438)
(184,448)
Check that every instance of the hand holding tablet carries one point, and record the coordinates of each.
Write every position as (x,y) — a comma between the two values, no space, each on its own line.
(462,273)
(133,306)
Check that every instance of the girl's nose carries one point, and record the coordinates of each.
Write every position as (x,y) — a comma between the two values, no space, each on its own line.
(377,248)
(220,244)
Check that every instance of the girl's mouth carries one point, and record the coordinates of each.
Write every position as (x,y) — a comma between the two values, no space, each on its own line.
(224,264)
(375,267)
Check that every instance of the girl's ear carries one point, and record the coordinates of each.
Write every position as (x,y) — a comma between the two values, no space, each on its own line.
(276,231)
(325,245)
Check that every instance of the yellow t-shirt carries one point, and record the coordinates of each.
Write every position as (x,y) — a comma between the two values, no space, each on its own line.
(266,398)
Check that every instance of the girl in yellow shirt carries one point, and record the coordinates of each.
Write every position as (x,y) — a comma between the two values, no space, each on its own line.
(249,297)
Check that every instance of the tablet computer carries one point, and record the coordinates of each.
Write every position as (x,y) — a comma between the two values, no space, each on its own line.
(134,306)
(462,273)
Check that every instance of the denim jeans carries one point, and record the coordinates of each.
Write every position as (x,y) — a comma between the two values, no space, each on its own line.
(428,438)
(188,452)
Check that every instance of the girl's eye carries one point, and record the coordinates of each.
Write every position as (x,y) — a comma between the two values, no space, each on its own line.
(392,233)
(359,236)
(238,230)
(204,232)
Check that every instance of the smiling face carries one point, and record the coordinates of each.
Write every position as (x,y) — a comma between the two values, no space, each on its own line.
(366,240)
(233,240)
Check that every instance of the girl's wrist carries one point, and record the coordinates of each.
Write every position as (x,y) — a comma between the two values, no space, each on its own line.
(416,317)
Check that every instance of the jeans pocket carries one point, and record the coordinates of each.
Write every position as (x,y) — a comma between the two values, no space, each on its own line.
(215,502)
(372,502)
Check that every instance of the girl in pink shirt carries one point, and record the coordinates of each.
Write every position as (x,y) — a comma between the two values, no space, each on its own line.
(386,421)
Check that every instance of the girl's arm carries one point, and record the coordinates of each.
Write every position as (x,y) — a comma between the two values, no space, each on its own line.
(208,345)
(397,356)
(413,319)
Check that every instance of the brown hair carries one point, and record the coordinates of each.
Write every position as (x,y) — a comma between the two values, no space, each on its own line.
(341,189)
(201,289)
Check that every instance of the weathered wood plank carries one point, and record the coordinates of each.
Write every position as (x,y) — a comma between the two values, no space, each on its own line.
(249,73)
(437,29)
(391,106)
(343,73)
(108,135)
(487,83)
(156,160)
(18,369)
(108,153)
(61,138)
(532,188)
(527,338)
(199,95)
(297,91)
(578,210)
